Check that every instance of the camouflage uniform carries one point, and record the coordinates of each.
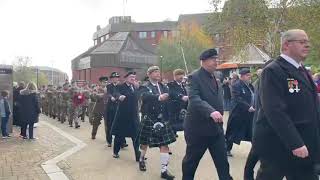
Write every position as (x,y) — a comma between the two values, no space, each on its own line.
(59,103)
(49,96)
(74,109)
(55,104)
(65,96)
(43,102)
(97,111)
(91,104)
(84,107)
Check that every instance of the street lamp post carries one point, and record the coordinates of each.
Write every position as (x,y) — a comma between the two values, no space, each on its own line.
(161,59)
(37,76)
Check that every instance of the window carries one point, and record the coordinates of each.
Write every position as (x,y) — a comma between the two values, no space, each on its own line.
(153,34)
(142,35)
(165,34)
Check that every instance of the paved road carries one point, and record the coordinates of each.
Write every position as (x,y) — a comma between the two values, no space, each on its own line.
(21,159)
(95,161)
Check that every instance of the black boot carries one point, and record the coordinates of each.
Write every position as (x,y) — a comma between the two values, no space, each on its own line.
(138,154)
(167,175)
(142,166)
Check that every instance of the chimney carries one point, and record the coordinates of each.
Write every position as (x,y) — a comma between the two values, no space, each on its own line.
(98,28)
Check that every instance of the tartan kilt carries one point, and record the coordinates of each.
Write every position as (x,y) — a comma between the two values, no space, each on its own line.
(148,137)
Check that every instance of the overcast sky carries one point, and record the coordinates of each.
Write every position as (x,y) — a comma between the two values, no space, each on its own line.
(56,31)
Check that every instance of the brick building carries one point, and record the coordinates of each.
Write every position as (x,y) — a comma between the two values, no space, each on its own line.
(113,42)
(121,46)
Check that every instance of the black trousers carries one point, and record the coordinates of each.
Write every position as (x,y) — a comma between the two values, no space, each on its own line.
(277,171)
(24,129)
(108,119)
(251,162)
(119,140)
(229,145)
(197,146)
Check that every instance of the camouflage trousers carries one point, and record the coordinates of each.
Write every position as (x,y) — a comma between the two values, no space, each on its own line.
(63,112)
(90,113)
(55,107)
(84,112)
(45,109)
(50,109)
(74,114)
(96,121)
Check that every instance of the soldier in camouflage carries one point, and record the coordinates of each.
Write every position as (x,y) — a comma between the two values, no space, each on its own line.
(64,96)
(91,103)
(49,97)
(75,102)
(97,110)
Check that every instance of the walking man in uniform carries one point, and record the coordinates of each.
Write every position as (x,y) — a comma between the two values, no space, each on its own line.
(286,134)
(203,125)
(112,103)
(97,110)
(127,122)
(178,100)
(155,128)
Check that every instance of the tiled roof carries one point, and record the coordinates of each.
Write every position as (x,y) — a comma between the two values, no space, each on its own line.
(130,27)
(112,45)
(200,19)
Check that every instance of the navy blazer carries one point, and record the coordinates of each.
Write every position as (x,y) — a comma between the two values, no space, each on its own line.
(205,97)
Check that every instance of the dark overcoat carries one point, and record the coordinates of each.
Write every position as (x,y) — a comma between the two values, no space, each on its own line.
(29,106)
(126,122)
(240,120)
(288,117)
(111,108)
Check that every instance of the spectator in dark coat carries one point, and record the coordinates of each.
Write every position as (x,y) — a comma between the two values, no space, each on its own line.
(16,95)
(30,109)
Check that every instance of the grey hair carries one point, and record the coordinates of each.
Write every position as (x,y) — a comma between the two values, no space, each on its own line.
(289,35)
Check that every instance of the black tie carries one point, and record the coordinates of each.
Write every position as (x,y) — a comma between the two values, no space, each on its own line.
(304,72)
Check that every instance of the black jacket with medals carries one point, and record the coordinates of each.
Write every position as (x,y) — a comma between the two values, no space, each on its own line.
(289,114)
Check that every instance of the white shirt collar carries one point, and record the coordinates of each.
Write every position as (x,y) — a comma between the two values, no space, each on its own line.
(178,83)
(154,84)
(291,60)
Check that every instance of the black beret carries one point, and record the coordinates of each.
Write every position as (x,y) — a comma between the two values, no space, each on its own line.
(244,71)
(103,78)
(209,53)
(130,73)
(114,75)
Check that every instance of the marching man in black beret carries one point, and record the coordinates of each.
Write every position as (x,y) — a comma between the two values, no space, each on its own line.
(127,120)
(112,103)
(155,128)
(203,125)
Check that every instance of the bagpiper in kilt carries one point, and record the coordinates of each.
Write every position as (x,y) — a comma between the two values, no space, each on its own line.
(155,130)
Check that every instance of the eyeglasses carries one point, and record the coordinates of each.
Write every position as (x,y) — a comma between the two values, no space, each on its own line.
(301,41)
